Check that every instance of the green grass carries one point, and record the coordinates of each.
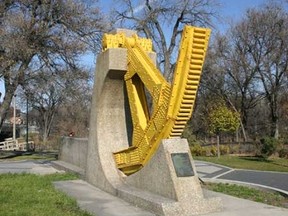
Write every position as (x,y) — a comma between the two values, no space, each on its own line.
(270,198)
(253,163)
(34,195)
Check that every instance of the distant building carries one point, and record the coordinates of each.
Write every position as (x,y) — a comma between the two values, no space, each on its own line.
(21,127)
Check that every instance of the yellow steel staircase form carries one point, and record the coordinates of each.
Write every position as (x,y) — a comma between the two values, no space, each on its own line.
(172,104)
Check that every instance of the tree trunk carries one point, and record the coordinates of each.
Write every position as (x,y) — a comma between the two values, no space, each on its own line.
(167,67)
(10,88)
(46,123)
(275,127)
(4,108)
(274,116)
(241,122)
(218,146)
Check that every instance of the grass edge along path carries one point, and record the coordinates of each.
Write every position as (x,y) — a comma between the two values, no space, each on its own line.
(250,163)
(253,194)
(35,195)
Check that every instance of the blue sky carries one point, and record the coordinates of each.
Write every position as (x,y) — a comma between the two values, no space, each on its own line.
(230,10)
(234,10)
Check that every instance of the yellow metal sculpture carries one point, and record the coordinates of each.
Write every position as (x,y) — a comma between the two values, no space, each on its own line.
(172,103)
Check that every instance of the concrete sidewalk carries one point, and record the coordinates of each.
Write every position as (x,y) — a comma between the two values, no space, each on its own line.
(100,203)
(41,167)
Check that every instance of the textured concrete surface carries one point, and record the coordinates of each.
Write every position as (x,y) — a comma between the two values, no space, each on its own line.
(74,151)
(98,202)
(159,177)
(110,121)
(108,131)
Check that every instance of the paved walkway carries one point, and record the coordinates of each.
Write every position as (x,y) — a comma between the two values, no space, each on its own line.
(97,201)
(270,180)
(41,167)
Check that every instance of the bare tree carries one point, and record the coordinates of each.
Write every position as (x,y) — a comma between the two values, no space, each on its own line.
(267,42)
(46,102)
(232,57)
(72,115)
(48,34)
(251,60)
(163,21)
(48,92)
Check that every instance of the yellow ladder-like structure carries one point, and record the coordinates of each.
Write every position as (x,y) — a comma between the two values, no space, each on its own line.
(172,104)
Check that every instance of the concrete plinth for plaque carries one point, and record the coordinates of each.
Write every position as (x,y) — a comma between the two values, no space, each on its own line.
(175,182)
(158,187)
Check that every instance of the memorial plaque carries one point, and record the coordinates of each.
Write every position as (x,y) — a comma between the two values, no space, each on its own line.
(182,164)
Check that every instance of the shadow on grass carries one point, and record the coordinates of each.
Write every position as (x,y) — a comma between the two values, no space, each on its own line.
(14,154)
(11,154)
(255,159)
(279,164)
(261,159)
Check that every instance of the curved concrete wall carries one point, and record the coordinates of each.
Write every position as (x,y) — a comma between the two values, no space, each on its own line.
(108,131)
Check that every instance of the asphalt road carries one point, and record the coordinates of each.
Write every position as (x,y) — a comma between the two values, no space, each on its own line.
(278,180)
(270,179)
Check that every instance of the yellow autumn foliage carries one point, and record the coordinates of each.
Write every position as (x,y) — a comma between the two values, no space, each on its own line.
(223,119)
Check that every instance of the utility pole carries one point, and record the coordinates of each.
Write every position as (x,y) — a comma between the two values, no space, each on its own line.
(14,119)
(27,127)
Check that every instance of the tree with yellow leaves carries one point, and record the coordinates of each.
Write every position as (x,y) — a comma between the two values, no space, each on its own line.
(222,119)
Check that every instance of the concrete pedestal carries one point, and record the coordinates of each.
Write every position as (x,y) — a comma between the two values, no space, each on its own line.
(176,195)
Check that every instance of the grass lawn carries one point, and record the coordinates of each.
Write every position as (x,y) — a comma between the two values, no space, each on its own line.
(253,163)
(270,198)
(34,195)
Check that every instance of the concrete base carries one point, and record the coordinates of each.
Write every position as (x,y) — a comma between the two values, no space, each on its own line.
(157,188)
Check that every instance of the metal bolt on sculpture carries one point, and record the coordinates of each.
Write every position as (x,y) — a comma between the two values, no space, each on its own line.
(172,103)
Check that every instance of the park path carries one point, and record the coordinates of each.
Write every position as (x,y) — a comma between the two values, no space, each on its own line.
(272,180)
(41,167)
